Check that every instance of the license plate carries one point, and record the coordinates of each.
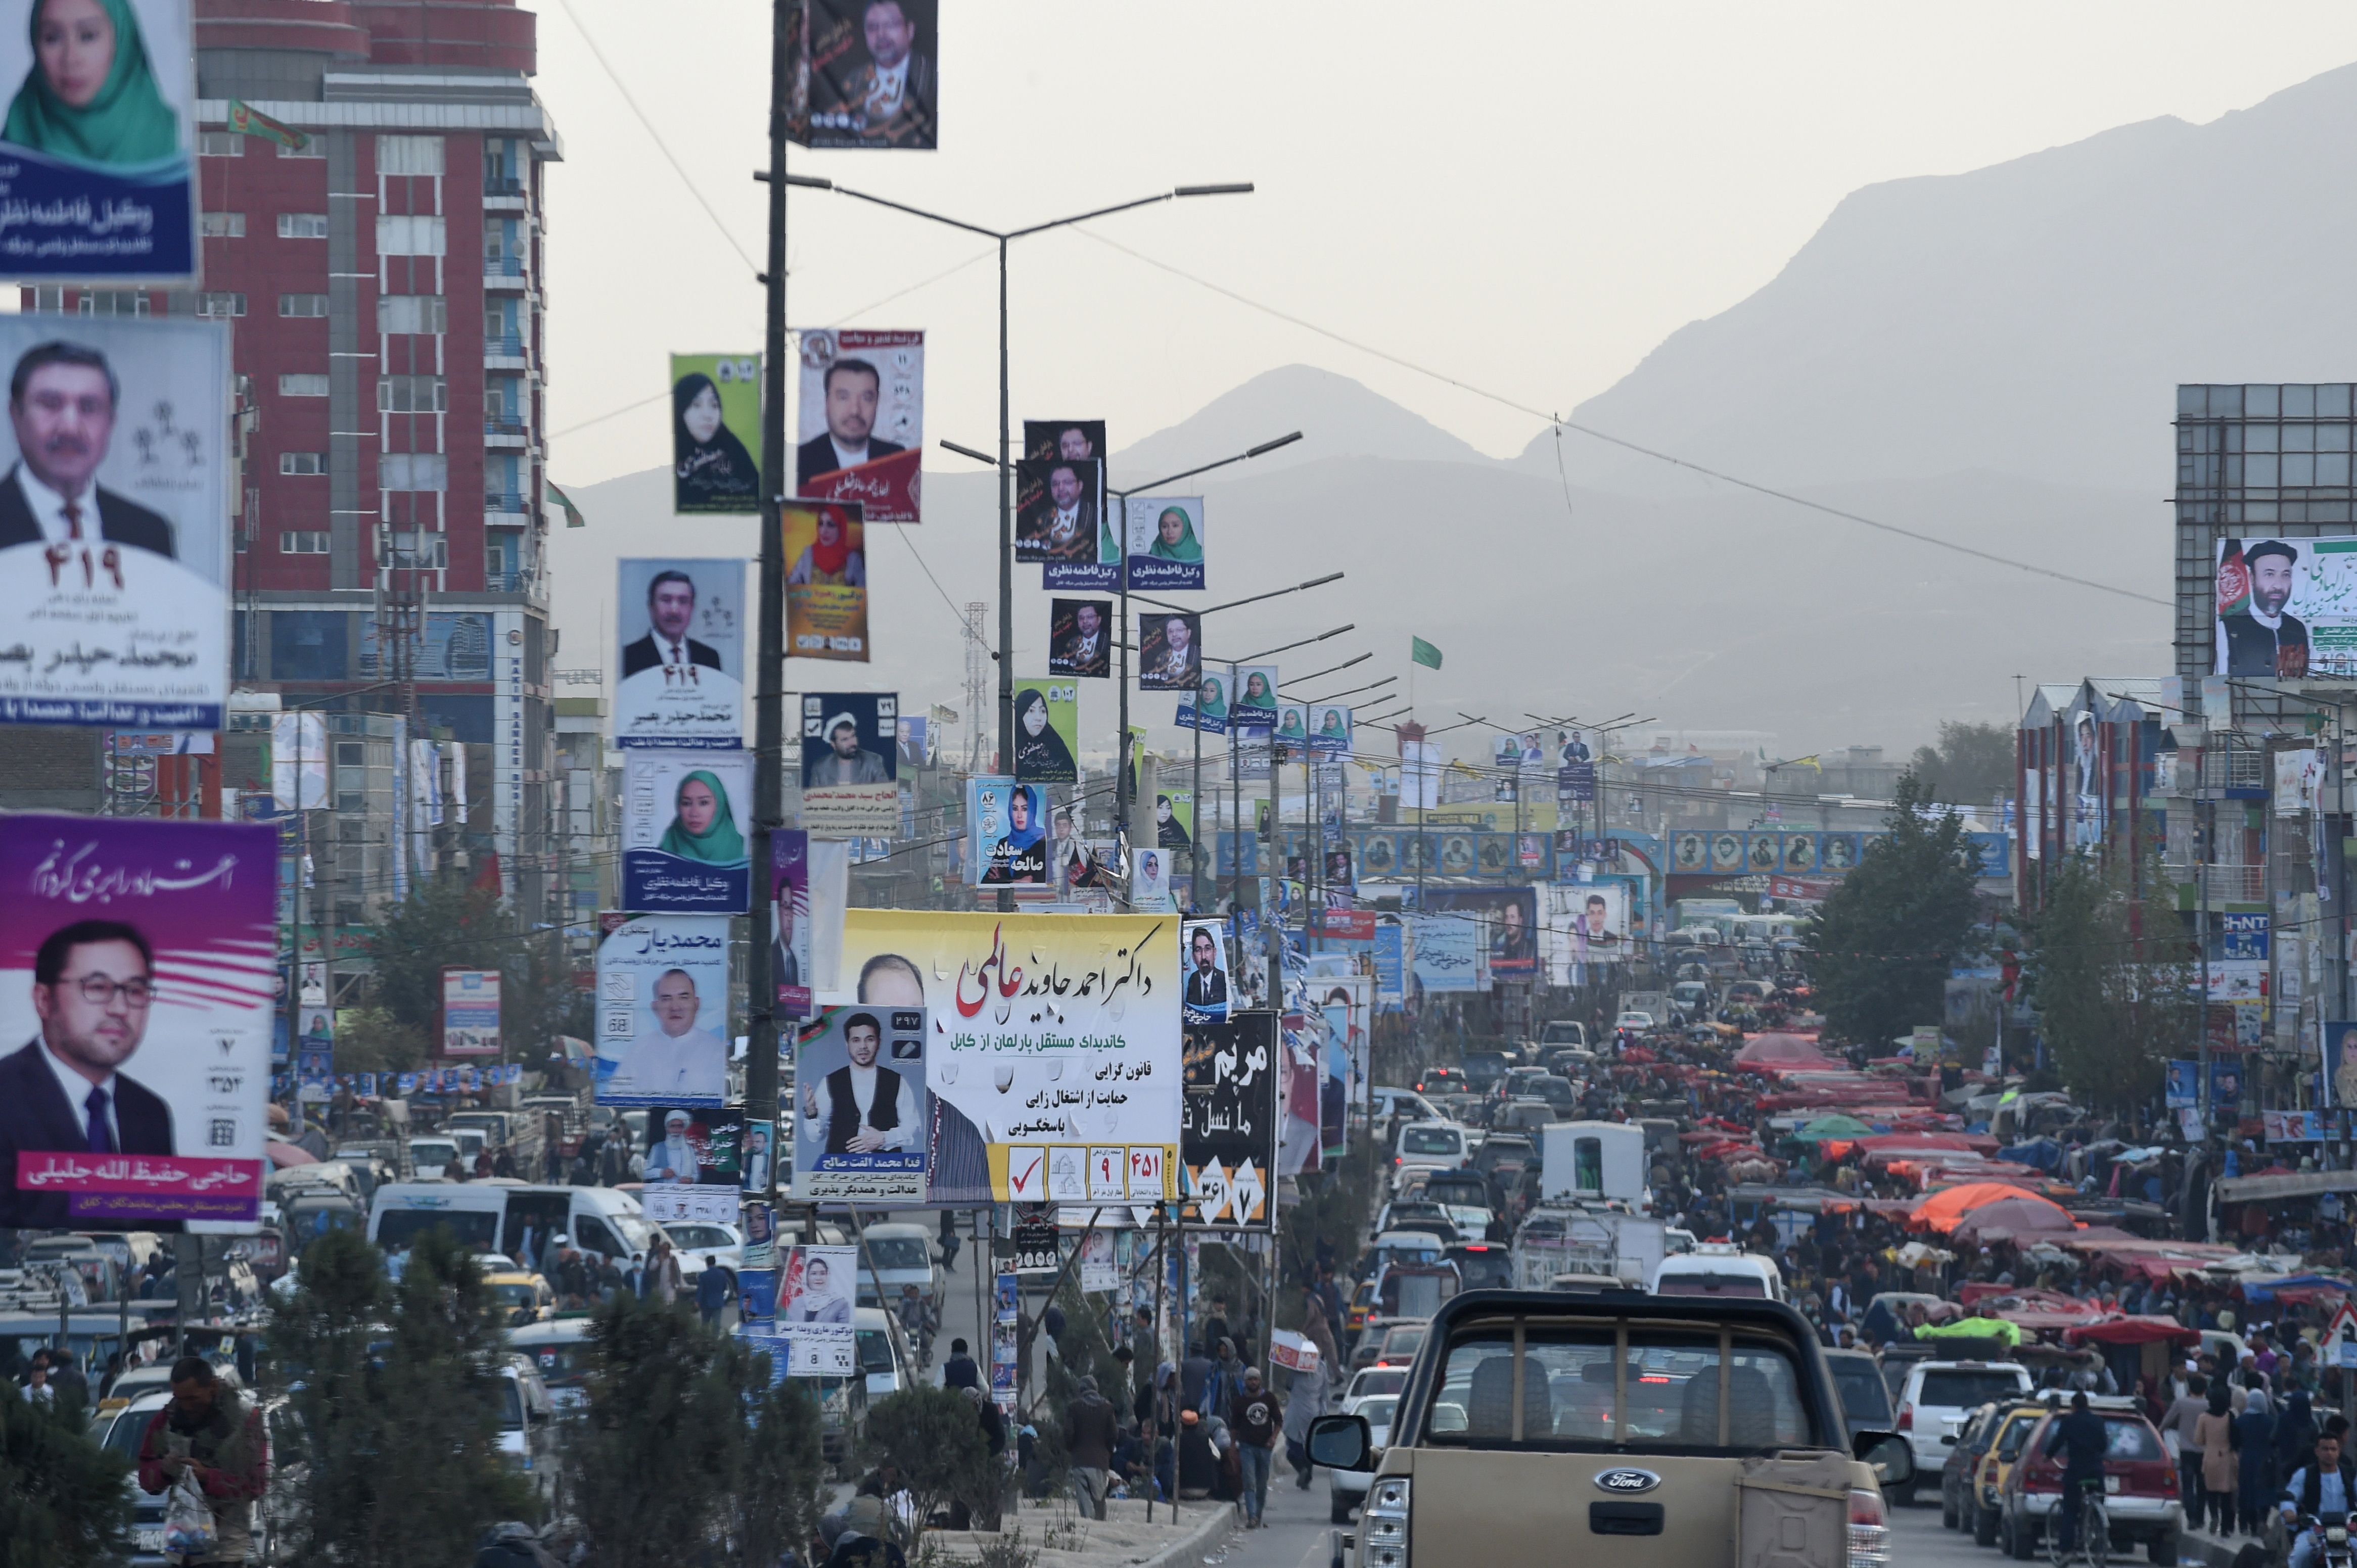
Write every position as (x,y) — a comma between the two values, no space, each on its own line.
(151,1541)
(2111,1485)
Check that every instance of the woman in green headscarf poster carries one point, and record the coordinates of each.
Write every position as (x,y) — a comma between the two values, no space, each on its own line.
(701,864)
(701,827)
(92,96)
(1167,554)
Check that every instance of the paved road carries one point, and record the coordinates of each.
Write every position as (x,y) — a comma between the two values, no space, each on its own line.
(1918,1540)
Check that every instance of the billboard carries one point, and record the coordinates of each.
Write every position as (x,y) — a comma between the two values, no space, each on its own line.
(663,1010)
(680,626)
(1585,922)
(1330,729)
(695,1162)
(2286,607)
(861,435)
(1052,1036)
(1227,1136)
(138,965)
(97,152)
(1006,833)
(790,889)
(1166,542)
(471,1011)
(862,1114)
(715,433)
(871,76)
(1447,953)
(827,586)
(686,832)
(1169,651)
(1047,732)
(851,763)
(1057,513)
(114,511)
(1080,638)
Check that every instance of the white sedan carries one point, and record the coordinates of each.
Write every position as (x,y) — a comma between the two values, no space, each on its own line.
(713,1245)
(1346,1489)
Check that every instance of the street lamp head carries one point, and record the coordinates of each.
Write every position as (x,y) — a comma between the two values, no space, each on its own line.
(1243,189)
(1272,445)
(810,181)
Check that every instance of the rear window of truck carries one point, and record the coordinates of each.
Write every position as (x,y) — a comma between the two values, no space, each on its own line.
(1678,1392)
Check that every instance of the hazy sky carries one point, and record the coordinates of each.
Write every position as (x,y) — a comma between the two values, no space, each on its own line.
(1526,196)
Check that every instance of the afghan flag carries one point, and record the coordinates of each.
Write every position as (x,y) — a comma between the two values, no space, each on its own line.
(1424,653)
(573,518)
(245,121)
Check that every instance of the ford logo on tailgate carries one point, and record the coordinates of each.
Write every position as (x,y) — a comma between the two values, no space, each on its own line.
(1626,1483)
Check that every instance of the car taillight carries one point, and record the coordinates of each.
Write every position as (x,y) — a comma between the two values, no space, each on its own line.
(2042,1475)
(1906,1418)
(1383,1532)
(1869,1530)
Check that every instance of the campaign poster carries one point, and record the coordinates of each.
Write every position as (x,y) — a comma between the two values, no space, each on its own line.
(1048,442)
(790,921)
(1047,732)
(2225,1086)
(1080,638)
(715,433)
(470,1013)
(138,966)
(2181,1088)
(1840,852)
(826,586)
(1052,1036)
(851,763)
(1166,542)
(1207,713)
(759,1165)
(663,1011)
(1203,997)
(1254,702)
(862,1116)
(695,1164)
(860,438)
(115,510)
(2340,1063)
(871,76)
(681,629)
(1057,513)
(1300,1135)
(1169,651)
(96,155)
(1227,1137)
(816,1287)
(1174,819)
(1330,729)
(1149,880)
(1292,734)
(1006,833)
(687,831)
(1446,953)
(2287,607)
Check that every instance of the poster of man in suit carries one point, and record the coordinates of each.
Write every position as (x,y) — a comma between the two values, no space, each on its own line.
(1203,949)
(113,521)
(1056,512)
(861,1111)
(873,78)
(680,626)
(135,1021)
(860,432)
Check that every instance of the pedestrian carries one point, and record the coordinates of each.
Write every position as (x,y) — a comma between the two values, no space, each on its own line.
(949,1243)
(2176,1429)
(711,1294)
(211,1434)
(38,1386)
(1198,1462)
(1091,1431)
(2213,1435)
(2254,1441)
(1257,1418)
(2295,1431)
(960,1370)
(662,1262)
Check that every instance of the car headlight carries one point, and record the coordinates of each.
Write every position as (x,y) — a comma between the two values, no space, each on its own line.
(1383,1534)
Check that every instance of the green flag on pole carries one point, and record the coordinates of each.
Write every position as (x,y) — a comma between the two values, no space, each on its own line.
(1424,653)
(573,518)
(247,121)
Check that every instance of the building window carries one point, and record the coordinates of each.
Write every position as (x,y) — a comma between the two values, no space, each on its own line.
(220,145)
(302,386)
(220,305)
(409,154)
(413,471)
(411,313)
(303,542)
(49,301)
(413,235)
(409,395)
(302,462)
(301,304)
(221,225)
(114,302)
(302,226)
(419,549)
(317,147)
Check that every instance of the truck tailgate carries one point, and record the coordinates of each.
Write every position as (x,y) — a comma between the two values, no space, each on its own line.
(1483,1507)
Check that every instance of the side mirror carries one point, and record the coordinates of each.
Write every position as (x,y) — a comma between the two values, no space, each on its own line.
(1341,1443)
(1892,1460)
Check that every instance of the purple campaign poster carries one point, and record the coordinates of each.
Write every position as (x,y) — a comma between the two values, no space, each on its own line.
(138,968)
(790,958)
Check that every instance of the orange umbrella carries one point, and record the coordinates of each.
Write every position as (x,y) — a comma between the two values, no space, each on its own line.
(1944,1207)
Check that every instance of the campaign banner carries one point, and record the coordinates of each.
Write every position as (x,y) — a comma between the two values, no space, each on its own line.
(1204,997)
(97,155)
(1391,962)
(2292,1126)
(790,921)
(1330,729)
(1575,783)
(138,963)
(1053,1035)
(1047,732)
(663,1010)
(826,586)
(861,433)
(1006,833)
(1254,705)
(695,1164)
(715,433)
(1228,1129)
(851,763)
(1174,819)
(870,76)
(1292,732)
(686,832)
(811,1309)
(470,1012)
(1208,711)
(680,632)
(1510,919)
(1345,925)
(1074,567)
(1446,950)
(1165,543)
(1169,652)
(1058,514)
(1149,880)
(1080,638)
(862,1114)
(113,519)
(1801,889)
(2286,607)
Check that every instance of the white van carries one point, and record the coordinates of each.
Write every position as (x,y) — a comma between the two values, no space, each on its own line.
(1717,1269)
(493,1217)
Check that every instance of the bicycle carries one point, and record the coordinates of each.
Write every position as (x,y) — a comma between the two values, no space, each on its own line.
(2094,1528)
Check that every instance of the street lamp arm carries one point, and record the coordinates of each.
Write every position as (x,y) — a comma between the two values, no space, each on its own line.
(983,457)
(1353,691)
(1331,669)
(904,207)
(1207,467)
(1234,604)
(1084,217)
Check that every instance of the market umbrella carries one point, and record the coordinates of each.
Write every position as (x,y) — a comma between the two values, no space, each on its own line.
(1945,1207)
(1834,1126)
(2013,1219)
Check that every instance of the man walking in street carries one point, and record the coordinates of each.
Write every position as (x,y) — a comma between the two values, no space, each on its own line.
(960,1370)
(214,1437)
(1091,1431)
(1256,1417)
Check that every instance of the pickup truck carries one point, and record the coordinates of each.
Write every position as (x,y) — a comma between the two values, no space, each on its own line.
(1652,1432)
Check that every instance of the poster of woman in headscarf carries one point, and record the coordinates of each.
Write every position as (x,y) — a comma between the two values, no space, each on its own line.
(1006,833)
(1047,728)
(686,832)
(1166,542)
(715,433)
(826,584)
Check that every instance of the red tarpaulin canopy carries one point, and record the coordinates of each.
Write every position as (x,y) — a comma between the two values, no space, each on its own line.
(2124,1329)
(1785,1052)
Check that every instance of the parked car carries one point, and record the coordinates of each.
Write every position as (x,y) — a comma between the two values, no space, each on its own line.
(1346,1489)
(883,1349)
(2000,1451)
(714,1245)
(1939,1395)
(2141,1485)
(559,1351)
(1866,1402)
(1959,1474)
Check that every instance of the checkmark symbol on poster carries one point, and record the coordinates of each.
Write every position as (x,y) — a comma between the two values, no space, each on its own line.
(1025,1168)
